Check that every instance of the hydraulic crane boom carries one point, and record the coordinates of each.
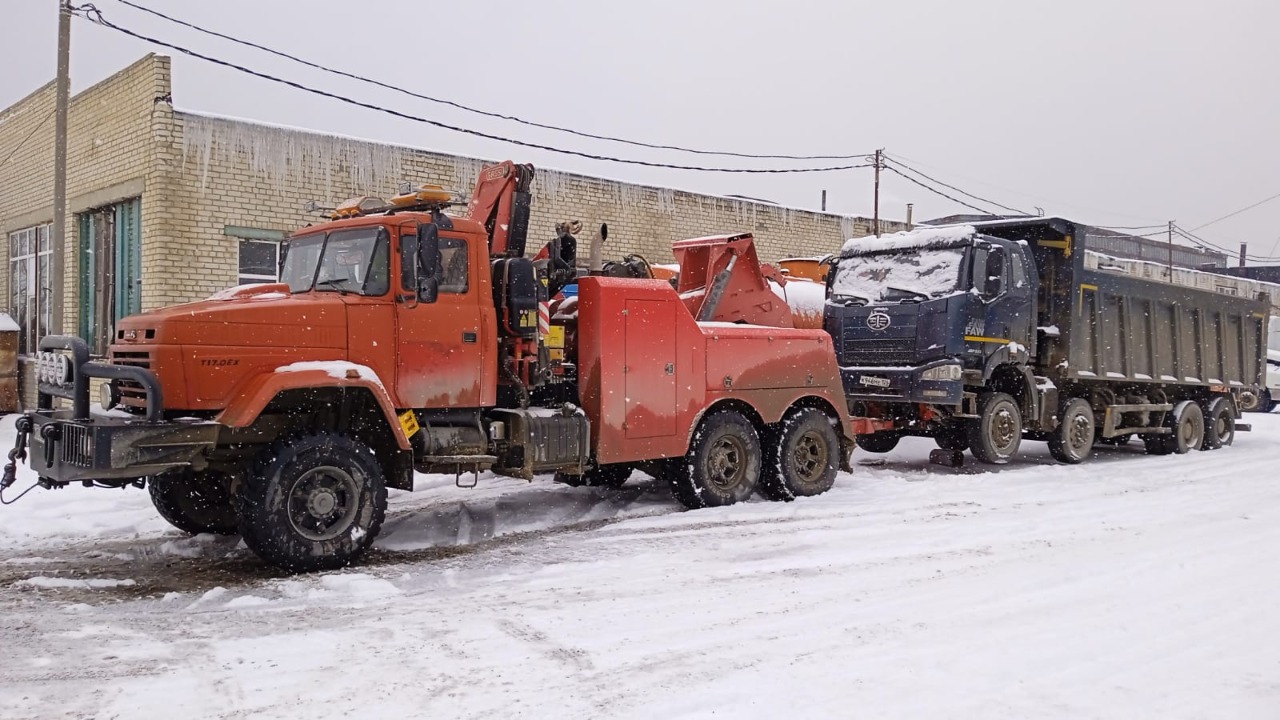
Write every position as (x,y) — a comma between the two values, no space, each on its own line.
(500,202)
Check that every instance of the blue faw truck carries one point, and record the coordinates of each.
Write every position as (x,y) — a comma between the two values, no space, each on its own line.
(981,336)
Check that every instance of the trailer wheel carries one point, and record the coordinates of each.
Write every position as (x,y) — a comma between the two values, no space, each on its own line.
(1188,427)
(195,502)
(313,503)
(1220,424)
(952,437)
(997,433)
(881,442)
(1251,401)
(1072,441)
(800,459)
(613,476)
(723,464)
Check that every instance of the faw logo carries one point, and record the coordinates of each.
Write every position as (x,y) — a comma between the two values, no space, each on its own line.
(879,321)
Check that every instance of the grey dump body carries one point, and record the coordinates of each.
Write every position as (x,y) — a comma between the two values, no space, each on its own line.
(1035,316)
(1115,327)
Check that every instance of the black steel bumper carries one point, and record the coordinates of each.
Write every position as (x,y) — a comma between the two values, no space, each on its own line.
(66,449)
(901,385)
(75,445)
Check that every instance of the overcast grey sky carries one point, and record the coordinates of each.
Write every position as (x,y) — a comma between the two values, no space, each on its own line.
(1120,112)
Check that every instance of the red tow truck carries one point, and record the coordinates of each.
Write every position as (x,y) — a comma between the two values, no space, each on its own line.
(401,339)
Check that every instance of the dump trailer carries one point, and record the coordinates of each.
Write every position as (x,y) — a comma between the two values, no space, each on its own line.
(981,336)
(401,339)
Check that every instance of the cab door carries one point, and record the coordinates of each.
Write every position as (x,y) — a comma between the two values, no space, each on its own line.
(441,358)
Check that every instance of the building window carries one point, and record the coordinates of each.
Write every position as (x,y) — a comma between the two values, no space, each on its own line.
(110,270)
(259,261)
(22,283)
(259,251)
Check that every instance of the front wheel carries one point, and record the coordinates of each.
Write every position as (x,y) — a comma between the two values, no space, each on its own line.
(723,464)
(313,503)
(195,502)
(996,434)
(800,459)
(1072,441)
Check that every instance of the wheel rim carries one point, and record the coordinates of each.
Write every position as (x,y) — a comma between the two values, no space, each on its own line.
(323,503)
(1189,431)
(809,458)
(1004,428)
(1080,433)
(727,462)
(1223,426)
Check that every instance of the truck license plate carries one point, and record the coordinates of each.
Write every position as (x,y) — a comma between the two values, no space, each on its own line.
(873,381)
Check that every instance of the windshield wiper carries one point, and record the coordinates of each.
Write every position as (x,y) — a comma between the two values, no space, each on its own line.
(920,295)
(333,283)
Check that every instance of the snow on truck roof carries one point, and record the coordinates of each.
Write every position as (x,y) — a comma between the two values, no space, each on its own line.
(948,236)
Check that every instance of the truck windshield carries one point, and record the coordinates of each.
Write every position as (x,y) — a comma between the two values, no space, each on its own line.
(918,274)
(342,261)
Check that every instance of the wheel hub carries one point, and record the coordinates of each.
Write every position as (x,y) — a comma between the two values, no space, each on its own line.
(1081,431)
(323,503)
(1003,428)
(725,463)
(810,456)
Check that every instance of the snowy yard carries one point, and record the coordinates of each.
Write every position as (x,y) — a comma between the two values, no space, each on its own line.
(1127,587)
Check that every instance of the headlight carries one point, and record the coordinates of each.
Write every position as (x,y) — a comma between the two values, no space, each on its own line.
(107,395)
(62,369)
(942,372)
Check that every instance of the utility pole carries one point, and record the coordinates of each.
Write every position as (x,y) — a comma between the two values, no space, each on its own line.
(57,243)
(1171,250)
(1244,249)
(876,223)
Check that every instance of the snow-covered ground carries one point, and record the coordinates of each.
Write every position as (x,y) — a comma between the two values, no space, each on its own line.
(1127,587)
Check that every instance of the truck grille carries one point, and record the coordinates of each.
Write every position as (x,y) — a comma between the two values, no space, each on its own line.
(879,351)
(131,393)
(77,445)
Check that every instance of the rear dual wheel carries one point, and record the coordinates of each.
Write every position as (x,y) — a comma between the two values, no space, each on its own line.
(723,463)
(1187,431)
(800,459)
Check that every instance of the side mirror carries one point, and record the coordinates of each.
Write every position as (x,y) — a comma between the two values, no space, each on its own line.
(428,263)
(994,284)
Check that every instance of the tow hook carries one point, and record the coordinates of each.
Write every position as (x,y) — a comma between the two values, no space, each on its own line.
(17,454)
(51,434)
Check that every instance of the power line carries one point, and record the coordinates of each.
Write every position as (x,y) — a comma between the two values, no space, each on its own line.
(24,140)
(1208,245)
(900,158)
(935,191)
(1231,215)
(953,187)
(95,16)
(477,111)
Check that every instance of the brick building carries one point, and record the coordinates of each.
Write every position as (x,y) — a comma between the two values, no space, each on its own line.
(167,206)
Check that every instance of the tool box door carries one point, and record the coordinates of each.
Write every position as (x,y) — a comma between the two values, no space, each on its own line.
(650,368)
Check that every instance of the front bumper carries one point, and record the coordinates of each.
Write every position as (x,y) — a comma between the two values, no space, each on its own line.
(76,445)
(68,449)
(901,385)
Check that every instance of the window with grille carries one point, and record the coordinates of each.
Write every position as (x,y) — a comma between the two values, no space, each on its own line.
(23,246)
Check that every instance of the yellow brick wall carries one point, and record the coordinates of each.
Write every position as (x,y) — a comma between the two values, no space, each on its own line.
(244,174)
